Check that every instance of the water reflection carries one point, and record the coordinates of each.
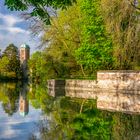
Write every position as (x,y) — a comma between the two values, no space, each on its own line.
(17,122)
(79,119)
(64,118)
(9,95)
(23,101)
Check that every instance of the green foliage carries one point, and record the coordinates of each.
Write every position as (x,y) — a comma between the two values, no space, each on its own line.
(73,31)
(10,63)
(87,36)
(43,67)
(64,37)
(4,61)
(68,123)
(95,51)
(122,22)
(9,94)
(40,98)
(58,58)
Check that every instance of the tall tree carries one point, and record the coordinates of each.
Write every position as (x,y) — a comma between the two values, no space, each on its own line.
(95,51)
(11,52)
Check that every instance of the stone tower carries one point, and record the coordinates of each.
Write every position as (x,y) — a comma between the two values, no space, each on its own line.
(24,56)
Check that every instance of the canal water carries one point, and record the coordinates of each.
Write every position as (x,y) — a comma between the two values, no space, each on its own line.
(28,112)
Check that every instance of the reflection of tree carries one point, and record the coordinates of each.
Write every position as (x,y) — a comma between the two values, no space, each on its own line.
(66,114)
(78,119)
(40,99)
(9,94)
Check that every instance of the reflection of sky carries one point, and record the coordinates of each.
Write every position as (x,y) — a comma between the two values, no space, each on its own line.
(17,127)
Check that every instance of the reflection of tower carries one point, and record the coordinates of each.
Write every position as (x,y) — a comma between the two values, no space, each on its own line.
(23,102)
(24,56)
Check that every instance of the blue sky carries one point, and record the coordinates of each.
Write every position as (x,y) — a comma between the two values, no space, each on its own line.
(14,29)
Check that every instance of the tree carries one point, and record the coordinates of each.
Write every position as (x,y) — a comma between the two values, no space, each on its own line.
(122,22)
(4,61)
(95,51)
(37,67)
(11,52)
(77,43)
(64,37)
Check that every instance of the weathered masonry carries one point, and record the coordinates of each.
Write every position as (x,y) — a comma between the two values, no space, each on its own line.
(114,90)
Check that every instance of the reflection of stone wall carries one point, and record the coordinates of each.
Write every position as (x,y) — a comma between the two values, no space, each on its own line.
(114,90)
(119,90)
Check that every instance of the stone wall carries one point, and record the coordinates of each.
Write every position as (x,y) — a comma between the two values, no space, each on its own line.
(129,80)
(114,90)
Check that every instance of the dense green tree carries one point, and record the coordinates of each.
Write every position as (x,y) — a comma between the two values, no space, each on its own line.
(95,51)
(57,60)
(37,66)
(77,29)
(64,37)
(11,52)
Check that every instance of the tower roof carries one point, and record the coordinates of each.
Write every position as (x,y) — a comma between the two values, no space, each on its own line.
(25,46)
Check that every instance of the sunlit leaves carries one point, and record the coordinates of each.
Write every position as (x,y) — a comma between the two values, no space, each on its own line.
(96,48)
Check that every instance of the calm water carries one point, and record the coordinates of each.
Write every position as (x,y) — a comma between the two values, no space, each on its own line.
(18,117)
(28,112)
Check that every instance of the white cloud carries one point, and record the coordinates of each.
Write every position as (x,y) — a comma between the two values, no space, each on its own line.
(11,33)
(8,24)
(10,20)
(17,30)
(13,30)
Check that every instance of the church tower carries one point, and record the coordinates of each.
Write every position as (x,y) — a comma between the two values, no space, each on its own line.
(24,56)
